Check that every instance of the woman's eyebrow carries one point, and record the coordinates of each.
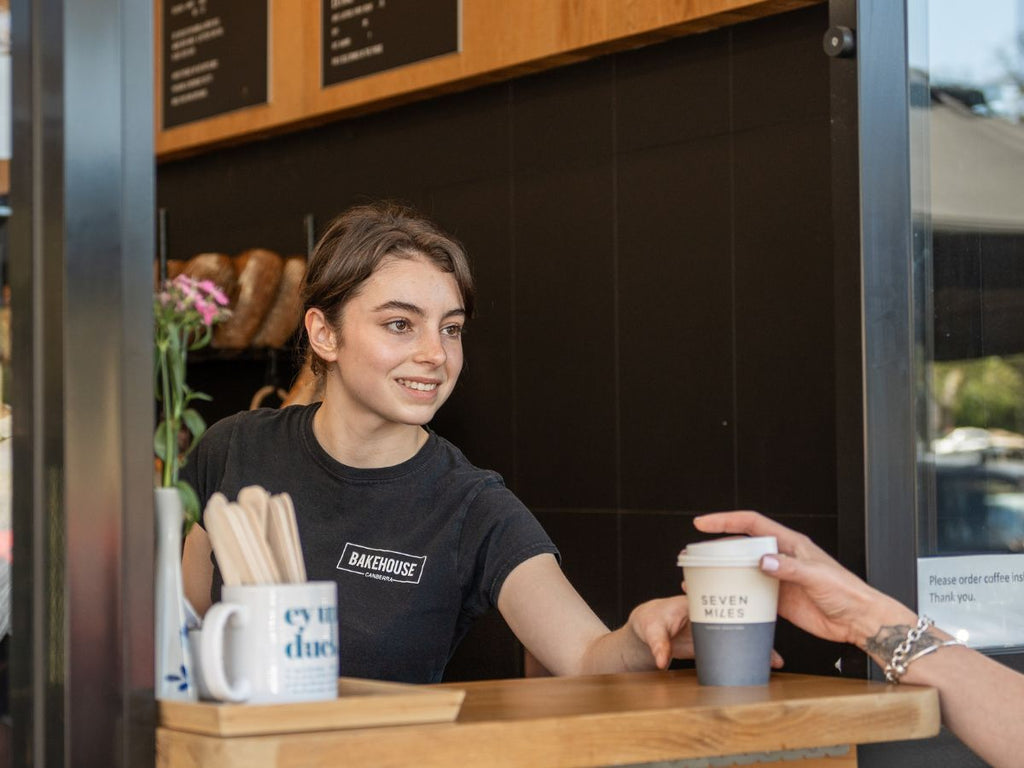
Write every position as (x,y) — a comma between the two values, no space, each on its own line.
(413,309)
(401,306)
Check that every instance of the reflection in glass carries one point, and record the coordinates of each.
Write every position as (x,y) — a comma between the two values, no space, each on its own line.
(968,199)
(979,457)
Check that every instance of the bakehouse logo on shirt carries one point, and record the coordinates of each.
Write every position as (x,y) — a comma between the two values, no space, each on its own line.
(382,564)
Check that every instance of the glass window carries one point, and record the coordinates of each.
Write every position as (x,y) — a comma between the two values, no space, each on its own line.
(967,171)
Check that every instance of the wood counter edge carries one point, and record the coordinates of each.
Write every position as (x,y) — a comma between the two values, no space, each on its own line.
(882,713)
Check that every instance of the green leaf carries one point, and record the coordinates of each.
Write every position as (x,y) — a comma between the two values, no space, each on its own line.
(194,422)
(200,396)
(190,501)
(160,440)
(203,340)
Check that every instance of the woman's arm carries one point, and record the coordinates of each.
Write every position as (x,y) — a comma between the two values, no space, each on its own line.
(558,627)
(982,701)
(197,569)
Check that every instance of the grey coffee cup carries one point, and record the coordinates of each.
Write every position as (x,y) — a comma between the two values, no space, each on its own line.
(733,607)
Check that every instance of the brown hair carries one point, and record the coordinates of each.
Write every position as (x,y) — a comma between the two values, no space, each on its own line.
(359,241)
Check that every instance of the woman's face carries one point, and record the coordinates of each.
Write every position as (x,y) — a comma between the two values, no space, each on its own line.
(399,351)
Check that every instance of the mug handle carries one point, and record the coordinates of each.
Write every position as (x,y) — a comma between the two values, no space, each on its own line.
(211,651)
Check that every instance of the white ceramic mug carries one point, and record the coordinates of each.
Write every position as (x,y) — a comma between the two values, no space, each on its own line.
(268,643)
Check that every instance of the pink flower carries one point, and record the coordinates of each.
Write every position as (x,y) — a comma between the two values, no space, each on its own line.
(207,310)
(214,291)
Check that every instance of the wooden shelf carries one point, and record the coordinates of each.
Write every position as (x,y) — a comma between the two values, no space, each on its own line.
(500,40)
(360,704)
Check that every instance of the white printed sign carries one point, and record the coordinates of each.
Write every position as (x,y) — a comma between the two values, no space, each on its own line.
(977,598)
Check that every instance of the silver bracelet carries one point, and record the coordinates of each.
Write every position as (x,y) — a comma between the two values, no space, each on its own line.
(902,657)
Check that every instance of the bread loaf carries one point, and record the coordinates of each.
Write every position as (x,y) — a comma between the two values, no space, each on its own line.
(285,313)
(216,267)
(174,267)
(258,273)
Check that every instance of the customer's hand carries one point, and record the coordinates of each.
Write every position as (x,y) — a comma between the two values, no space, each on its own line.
(817,593)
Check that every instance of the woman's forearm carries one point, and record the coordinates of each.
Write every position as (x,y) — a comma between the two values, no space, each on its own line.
(617,651)
(982,701)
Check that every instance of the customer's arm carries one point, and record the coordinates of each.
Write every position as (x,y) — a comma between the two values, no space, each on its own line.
(982,701)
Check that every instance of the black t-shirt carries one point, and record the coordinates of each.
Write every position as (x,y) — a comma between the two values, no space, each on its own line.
(418,550)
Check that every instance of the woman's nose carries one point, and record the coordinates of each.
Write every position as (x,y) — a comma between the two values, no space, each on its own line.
(431,349)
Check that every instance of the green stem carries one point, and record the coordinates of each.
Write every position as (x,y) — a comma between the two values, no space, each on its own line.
(179,404)
(170,451)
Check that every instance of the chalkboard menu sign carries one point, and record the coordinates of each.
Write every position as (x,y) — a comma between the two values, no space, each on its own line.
(215,57)
(361,37)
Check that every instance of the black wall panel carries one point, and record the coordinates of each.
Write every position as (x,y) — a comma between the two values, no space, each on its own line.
(651,234)
(784,326)
(676,327)
(480,417)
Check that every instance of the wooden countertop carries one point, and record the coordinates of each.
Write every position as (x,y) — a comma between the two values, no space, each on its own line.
(597,720)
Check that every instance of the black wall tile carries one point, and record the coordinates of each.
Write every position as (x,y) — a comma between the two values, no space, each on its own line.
(668,93)
(563,117)
(784,325)
(489,651)
(588,542)
(675,296)
(480,417)
(256,195)
(651,542)
(779,69)
(565,338)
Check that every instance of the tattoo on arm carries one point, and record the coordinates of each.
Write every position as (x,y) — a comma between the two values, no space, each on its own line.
(886,639)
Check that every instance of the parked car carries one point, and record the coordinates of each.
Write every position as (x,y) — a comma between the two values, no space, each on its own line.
(979,504)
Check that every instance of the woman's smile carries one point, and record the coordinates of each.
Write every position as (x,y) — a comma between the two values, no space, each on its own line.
(419,385)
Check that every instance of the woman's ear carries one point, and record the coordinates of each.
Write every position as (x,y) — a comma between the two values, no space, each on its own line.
(322,338)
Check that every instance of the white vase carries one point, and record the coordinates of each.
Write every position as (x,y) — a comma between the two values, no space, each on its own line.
(174,670)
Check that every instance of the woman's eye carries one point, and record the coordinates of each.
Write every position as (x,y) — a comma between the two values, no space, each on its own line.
(455,331)
(398,326)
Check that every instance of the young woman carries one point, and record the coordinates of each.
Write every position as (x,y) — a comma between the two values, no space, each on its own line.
(982,701)
(419,541)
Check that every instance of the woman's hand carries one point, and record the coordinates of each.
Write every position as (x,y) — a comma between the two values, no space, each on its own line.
(817,593)
(663,625)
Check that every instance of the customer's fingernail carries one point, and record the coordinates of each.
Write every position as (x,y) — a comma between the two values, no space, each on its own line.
(769,563)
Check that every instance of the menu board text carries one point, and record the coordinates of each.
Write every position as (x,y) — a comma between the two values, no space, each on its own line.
(360,37)
(214,57)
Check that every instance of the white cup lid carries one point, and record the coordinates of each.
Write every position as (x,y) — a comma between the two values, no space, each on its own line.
(728,552)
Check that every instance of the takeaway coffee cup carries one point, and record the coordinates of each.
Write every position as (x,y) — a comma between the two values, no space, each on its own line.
(732,609)
(268,643)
